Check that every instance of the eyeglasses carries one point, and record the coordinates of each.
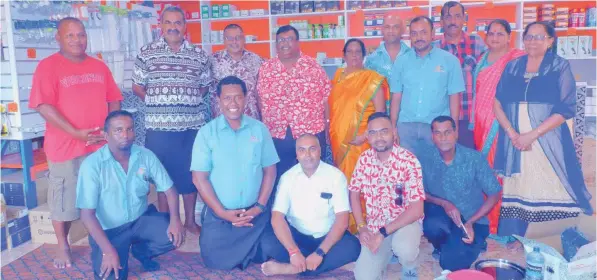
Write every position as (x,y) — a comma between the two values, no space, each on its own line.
(285,40)
(537,37)
(399,188)
(234,38)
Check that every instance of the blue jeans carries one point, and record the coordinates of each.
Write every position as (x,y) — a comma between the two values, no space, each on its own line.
(345,251)
(414,136)
(446,236)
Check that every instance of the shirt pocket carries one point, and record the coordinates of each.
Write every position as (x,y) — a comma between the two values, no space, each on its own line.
(140,186)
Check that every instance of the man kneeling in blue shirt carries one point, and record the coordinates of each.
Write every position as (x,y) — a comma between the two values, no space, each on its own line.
(456,179)
(112,194)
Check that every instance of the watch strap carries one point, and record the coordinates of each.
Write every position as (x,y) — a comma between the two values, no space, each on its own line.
(320,252)
(260,206)
(383,232)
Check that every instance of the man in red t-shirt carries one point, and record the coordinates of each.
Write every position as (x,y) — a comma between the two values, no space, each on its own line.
(73,93)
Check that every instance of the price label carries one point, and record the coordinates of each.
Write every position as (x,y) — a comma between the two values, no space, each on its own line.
(31,53)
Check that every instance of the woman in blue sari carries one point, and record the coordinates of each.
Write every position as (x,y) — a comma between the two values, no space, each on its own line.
(543,181)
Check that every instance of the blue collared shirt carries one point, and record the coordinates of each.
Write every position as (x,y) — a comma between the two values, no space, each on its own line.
(463,182)
(119,197)
(381,62)
(234,158)
(426,84)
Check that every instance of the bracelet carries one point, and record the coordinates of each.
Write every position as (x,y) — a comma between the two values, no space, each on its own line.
(361,225)
(293,252)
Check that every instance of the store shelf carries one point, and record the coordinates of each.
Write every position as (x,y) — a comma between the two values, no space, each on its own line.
(322,39)
(309,14)
(577,28)
(240,18)
(218,44)
(388,9)
(582,58)
(369,37)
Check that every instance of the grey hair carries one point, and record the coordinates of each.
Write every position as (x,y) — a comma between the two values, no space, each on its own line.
(175,9)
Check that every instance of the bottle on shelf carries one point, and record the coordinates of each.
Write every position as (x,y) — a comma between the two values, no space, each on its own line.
(535,263)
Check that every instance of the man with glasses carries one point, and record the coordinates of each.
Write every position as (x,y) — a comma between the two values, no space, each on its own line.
(456,181)
(426,83)
(236,60)
(391,48)
(390,179)
(467,48)
(294,91)
(173,76)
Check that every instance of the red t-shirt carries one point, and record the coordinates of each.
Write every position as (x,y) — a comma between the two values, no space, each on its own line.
(80,92)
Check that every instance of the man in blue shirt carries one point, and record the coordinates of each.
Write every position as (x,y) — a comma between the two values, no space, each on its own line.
(456,179)
(112,194)
(234,169)
(391,48)
(426,83)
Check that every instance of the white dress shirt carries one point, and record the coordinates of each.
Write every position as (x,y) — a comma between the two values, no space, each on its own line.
(299,198)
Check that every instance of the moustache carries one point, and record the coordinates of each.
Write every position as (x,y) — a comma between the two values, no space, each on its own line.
(173,31)
(420,42)
(452,25)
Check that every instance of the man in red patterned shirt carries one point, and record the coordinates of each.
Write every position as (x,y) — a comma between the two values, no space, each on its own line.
(293,90)
(390,179)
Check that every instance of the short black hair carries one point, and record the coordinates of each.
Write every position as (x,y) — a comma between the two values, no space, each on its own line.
(174,9)
(231,80)
(378,115)
(442,119)
(233,26)
(422,18)
(361,44)
(501,22)
(449,5)
(286,28)
(69,19)
(115,114)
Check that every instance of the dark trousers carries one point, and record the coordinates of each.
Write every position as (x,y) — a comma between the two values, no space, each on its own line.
(146,236)
(345,251)
(446,236)
(465,136)
(286,149)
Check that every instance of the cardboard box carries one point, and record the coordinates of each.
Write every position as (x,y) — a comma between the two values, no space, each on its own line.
(307,6)
(205,11)
(371,4)
(18,238)
(385,4)
(572,46)
(355,4)
(277,7)
(215,11)
(332,5)
(43,232)
(319,6)
(13,189)
(3,239)
(291,7)
(561,45)
(585,46)
(582,265)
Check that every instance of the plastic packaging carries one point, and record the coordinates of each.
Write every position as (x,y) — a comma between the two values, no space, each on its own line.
(535,264)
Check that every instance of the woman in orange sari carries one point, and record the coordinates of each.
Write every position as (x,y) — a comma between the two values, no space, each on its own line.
(486,77)
(356,94)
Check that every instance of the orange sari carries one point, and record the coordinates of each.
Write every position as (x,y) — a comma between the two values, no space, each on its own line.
(351,104)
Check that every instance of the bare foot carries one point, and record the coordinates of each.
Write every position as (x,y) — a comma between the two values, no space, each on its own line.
(63,258)
(193,228)
(272,268)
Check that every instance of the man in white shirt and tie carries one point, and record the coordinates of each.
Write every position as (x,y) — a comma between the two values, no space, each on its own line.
(310,217)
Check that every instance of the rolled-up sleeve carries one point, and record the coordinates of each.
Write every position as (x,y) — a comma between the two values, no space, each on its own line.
(88,185)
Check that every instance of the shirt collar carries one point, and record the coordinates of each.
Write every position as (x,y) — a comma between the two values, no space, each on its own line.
(185,44)
(433,50)
(222,123)
(457,155)
(107,155)
(317,171)
(403,48)
(463,39)
(226,54)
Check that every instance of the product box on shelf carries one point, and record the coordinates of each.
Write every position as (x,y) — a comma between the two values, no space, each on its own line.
(4,240)
(215,11)
(291,7)
(205,11)
(226,10)
(371,4)
(572,46)
(399,3)
(332,5)
(385,4)
(369,20)
(43,232)
(585,45)
(355,4)
(561,45)
(306,6)
(320,6)
(276,7)
(17,230)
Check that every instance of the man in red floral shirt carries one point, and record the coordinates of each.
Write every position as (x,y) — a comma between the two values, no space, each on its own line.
(390,179)
(293,90)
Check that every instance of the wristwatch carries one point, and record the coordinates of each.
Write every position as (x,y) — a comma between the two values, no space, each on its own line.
(383,232)
(320,252)
(260,206)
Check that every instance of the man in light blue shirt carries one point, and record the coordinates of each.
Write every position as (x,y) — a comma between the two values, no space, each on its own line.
(391,48)
(112,194)
(234,169)
(426,83)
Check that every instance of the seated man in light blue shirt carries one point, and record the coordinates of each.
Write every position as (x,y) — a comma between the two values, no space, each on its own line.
(310,217)
(234,168)
(391,48)
(112,194)
(426,83)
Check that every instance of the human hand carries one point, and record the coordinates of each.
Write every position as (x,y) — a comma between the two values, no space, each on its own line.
(313,261)
(175,232)
(365,236)
(253,212)
(234,216)
(89,135)
(298,261)
(526,140)
(375,242)
(110,263)
(470,232)
(452,212)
